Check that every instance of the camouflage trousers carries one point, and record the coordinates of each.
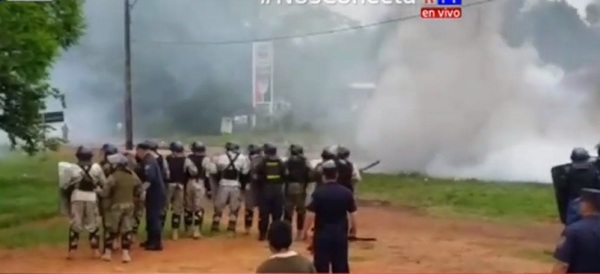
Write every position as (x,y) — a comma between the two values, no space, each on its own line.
(195,197)
(227,196)
(84,218)
(119,220)
(175,200)
(295,201)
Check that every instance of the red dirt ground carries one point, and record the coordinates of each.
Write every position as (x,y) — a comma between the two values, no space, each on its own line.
(407,241)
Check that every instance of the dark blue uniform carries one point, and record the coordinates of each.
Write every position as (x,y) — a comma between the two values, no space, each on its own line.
(155,201)
(331,203)
(580,246)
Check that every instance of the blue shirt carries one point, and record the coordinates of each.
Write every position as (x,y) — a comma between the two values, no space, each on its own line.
(331,203)
(579,246)
(153,176)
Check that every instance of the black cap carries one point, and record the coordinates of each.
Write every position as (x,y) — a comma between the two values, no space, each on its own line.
(592,196)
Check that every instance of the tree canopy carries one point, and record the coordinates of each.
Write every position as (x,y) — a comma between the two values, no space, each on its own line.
(32,38)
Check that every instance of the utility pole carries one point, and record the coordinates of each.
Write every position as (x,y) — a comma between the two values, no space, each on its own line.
(128,88)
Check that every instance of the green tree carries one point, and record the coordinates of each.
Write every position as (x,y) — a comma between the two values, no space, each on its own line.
(32,36)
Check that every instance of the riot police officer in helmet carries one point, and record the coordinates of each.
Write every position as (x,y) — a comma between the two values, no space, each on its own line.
(298,169)
(270,181)
(570,179)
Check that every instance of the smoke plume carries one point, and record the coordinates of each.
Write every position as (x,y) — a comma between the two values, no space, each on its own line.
(454,99)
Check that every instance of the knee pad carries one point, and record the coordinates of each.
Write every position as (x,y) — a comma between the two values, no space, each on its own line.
(188,218)
(231,225)
(94,238)
(198,217)
(175,221)
(136,224)
(126,239)
(73,239)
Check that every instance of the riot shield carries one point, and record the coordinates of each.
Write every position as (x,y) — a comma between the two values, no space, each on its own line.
(559,180)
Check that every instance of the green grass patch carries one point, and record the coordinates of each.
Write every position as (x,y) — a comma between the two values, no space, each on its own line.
(500,200)
(29,199)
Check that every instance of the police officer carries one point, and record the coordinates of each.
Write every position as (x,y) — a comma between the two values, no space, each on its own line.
(83,188)
(162,164)
(121,189)
(578,248)
(348,174)
(271,177)
(329,209)
(582,174)
(250,200)
(196,188)
(180,168)
(298,170)
(328,153)
(233,168)
(155,197)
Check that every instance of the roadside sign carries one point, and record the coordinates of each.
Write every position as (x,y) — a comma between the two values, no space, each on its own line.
(53,117)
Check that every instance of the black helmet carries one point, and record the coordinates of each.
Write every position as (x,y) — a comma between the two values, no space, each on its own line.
(329,153)
(229,146)
(152,145)
(579,154)
(253,149)
(145,145)
(109,149)
(296,150)
(198,147)
(176,147)
(84,153)
(343,152)
(269,149)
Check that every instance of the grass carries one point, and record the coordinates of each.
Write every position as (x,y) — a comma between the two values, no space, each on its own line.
(29,199)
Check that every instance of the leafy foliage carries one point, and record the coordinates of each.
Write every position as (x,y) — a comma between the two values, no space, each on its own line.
(33,35)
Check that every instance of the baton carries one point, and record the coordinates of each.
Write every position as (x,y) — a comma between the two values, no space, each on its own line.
(369,166)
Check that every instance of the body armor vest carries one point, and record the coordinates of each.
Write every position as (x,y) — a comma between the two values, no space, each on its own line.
(345,169)
(197,160)
(273,171)
(298,171)
(231,172)
(87,182)
(176,169)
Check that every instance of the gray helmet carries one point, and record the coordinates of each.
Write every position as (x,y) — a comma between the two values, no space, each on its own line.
(579,155)
(253,149)
(176,147)
(343,152)
(329,153)
(152,145)
(84,153)
(109,149)
(198,147)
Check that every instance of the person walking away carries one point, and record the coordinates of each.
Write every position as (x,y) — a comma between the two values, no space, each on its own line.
(298,170)
(122,187)
(195,191)
(233,168)
(250,191)
(155,197)
(180,169)
(83,190)
(578,250)
(271,177)
(283,260)
(331,207)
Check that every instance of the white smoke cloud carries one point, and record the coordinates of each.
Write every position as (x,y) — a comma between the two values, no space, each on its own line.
(455,100)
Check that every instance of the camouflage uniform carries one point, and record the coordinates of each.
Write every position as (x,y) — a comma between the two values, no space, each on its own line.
(82,190)
(122,187)
(250,193)
(195,193)
(180,169)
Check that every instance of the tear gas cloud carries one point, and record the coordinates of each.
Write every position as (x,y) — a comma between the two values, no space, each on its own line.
(454,99)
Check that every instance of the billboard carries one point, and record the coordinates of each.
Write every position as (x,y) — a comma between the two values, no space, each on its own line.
(262,74)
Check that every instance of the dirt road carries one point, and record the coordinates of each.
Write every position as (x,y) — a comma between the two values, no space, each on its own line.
(407,241)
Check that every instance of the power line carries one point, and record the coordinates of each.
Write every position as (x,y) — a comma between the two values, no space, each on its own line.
(303,35)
